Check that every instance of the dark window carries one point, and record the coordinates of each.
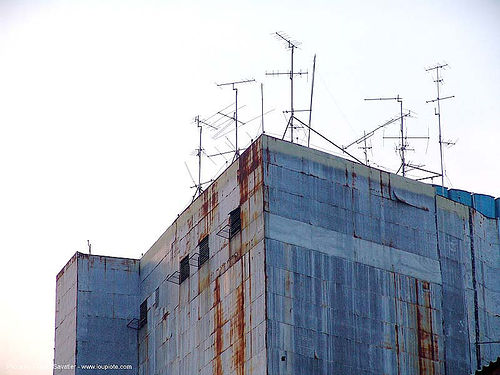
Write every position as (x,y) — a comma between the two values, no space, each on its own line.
(204,251)
(143,314)
(234,222)
(184,269)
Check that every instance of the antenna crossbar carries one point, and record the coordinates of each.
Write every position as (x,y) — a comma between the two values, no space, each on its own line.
(403,145)
(371,133)
(437,112)
(235,88)
(291,73)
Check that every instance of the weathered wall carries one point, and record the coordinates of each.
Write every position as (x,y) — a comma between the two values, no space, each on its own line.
(338,268)
(65,333)
(213,322)
(107,301)
(356,280)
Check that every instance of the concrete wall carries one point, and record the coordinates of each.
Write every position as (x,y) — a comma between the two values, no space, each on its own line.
(214,322)
(107,301)
(371,273)
(65,332)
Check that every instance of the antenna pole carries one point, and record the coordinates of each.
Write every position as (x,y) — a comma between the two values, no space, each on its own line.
(90,246)
(438,113)
(235,116)
(311,105)
(262,107)
(403,162)
(200,190)
(365,148)
(291,45)
(237,153)
(439,125)
(291,94)
(403,140)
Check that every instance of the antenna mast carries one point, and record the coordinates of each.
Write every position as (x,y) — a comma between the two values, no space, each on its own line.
(199,153)
(311,105)
(437,112)
(235,118)
(291,45)
(199,189)
(402,148)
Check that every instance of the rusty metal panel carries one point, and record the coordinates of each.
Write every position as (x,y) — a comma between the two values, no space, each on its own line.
(337,268)
(366,276)
(214,322)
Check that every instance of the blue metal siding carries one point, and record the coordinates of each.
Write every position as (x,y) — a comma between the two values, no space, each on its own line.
(356,299)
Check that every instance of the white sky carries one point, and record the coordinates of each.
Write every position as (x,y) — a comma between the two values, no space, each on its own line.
(97,100)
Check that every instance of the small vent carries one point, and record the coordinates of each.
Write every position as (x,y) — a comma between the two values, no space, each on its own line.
(204,251)
(184,269)
(234,222)
(143,314)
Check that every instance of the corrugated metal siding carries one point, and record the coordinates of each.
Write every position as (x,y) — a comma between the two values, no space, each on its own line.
(360,280)
(107,301)
(338,268)
(214,322)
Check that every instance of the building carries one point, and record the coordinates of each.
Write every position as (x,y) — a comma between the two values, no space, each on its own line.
(295,261)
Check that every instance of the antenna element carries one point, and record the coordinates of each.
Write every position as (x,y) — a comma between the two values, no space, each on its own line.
(437,112)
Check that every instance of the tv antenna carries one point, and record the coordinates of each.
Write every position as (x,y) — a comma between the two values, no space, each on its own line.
(365,149)
(199,151)
(290,45)
(368,135)
(311,104)
(403,147)
(235,115)
(437,112)
(89,246)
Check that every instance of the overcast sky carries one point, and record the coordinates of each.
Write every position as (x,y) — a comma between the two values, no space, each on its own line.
(97,100)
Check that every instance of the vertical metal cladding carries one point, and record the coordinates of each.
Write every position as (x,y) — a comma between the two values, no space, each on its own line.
(484,204)
(214,322)
(440,190)
(460,196)
(97,299)
(369,272)
(336,268)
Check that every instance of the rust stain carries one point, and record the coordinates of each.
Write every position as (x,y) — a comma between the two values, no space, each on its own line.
(427,341)
(218,321)
(268,161)
(204,204)
(208,209)
(249,161)
(396,326)
(238,332)
(287,283)
(203,281)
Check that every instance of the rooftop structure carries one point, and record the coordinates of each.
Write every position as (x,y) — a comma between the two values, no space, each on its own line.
(294,261)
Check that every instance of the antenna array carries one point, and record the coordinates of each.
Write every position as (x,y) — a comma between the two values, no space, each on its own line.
(437,112)
(403,146)
(235,116)
(292,45)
